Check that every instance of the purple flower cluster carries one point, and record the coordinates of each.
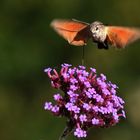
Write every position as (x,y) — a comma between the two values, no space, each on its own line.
(88,100)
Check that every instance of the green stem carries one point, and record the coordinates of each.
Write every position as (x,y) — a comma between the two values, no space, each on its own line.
(65,133)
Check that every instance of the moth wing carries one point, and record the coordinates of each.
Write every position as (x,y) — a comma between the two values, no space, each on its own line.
(75,32)
(122,36)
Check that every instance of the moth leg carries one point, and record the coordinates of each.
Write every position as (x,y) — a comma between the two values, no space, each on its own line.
(102,45)
(106,45)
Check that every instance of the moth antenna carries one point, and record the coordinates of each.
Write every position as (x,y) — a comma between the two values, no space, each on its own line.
(80,21)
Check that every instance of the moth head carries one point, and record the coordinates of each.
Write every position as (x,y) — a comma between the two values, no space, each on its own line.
(98,31)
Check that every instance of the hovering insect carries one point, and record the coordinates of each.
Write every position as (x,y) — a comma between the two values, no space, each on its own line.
(78,33)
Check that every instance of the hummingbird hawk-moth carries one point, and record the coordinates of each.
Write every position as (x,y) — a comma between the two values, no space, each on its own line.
(78,33)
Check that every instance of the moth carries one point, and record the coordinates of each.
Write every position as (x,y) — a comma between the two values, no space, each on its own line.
(78,33)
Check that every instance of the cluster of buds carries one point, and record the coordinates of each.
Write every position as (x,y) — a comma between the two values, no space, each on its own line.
(88,99)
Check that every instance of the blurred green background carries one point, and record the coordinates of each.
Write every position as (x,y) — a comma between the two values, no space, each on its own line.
(28,45)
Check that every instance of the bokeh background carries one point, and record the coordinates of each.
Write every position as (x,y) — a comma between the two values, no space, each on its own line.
(28,45)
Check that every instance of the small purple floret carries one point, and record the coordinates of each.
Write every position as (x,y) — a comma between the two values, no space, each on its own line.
(95,121)
(55,109)
(83,118)
(86,106)
(80,133)
(57,97)
(48,106)
(47,70)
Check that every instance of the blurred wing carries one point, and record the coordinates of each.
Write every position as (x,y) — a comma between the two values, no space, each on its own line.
(75,32)
(122,36)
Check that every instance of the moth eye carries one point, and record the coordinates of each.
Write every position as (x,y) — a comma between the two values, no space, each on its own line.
(96,28)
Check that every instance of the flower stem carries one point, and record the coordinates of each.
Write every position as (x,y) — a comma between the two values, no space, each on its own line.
(65,133)
(67,130)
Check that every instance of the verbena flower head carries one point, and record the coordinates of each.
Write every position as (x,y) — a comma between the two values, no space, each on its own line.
(88,100)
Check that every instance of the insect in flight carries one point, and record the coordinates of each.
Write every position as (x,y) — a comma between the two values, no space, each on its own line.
(78,33)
